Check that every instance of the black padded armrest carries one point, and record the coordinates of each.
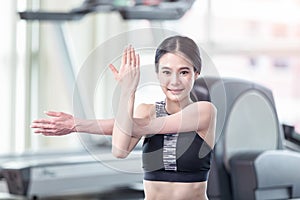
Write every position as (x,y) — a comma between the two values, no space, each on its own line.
(243,180)
(272,174)
(290,134)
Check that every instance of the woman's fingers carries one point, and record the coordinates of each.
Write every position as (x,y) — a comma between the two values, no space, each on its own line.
(46,132)
(132,57)
(137,60)
(128,55)
(130,61)
(114,71)
(42,121)
(53,113)
(124,56)
(42,125)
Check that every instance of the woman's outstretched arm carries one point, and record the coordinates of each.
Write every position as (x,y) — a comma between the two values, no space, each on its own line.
(62,123)
(197,116)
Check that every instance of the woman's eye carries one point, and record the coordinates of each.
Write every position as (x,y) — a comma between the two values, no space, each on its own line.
(184,72)
(166,72)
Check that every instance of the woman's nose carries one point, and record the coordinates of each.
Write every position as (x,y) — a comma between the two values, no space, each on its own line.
(175,79)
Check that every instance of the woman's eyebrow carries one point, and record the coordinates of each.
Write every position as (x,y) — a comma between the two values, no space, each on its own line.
(181,68)
(185,68)
(165,67)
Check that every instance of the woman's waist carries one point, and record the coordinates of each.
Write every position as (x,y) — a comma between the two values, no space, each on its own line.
(175,190)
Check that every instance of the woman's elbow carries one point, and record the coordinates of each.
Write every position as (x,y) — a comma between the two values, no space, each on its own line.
(121,154)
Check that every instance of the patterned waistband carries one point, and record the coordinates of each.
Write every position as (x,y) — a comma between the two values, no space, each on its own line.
(176,176)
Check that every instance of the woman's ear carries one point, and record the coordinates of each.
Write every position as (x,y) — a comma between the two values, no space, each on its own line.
(196,75)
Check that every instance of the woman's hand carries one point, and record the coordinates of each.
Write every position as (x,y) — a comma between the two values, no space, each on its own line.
(60,124)
(129,74)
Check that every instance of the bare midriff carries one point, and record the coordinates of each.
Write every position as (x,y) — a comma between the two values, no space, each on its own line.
(158,190)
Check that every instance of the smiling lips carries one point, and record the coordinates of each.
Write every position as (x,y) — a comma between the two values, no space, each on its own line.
(175,91)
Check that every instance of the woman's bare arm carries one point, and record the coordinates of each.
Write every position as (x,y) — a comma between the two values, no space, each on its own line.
(197,116)
(128,79)
(62,123)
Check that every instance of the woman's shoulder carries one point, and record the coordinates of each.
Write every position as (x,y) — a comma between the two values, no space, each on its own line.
(145,110)
(205,106)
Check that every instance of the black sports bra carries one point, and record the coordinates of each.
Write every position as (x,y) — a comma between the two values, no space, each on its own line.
(181,157)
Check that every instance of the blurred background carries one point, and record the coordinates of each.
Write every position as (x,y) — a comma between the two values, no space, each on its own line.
(256,40)
(42,61)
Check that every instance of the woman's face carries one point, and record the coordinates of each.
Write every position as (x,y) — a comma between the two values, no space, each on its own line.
(176,76)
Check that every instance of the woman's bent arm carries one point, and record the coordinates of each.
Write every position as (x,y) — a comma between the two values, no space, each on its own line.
(128,78)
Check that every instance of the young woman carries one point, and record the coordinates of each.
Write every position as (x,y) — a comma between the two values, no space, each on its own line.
(178,133)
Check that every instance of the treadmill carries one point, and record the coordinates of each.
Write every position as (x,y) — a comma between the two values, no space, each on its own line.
(71,174)
(50,175)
